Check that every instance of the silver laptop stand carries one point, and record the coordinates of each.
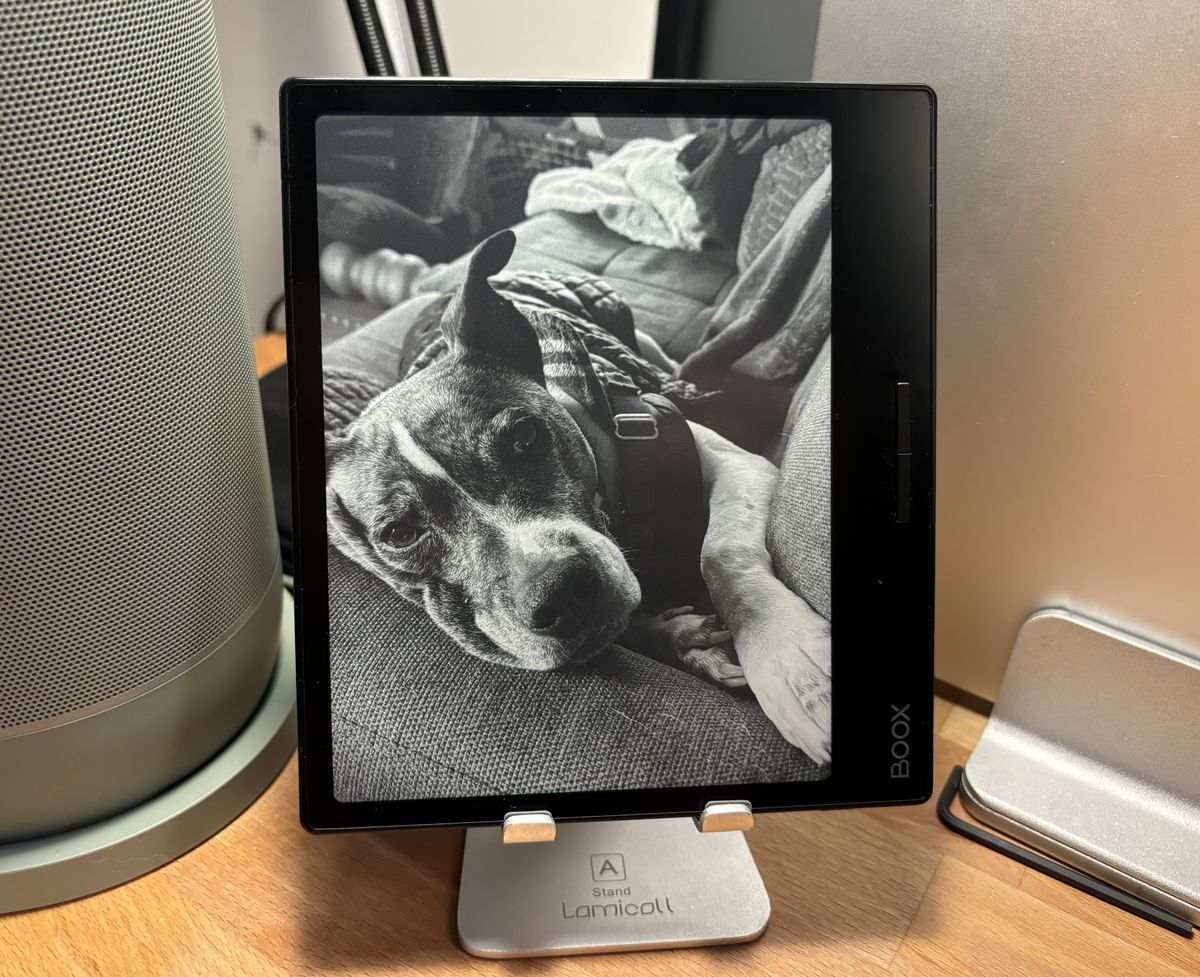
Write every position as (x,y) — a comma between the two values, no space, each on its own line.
(1092,755)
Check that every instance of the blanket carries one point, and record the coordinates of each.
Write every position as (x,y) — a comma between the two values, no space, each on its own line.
(637,192)
(771,325)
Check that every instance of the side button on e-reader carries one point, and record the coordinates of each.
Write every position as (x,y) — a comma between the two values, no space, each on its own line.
(903,486)
(903,451)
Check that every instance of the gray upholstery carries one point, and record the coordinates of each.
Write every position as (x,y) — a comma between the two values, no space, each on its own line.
(375,348)
(798,534)
(414,716)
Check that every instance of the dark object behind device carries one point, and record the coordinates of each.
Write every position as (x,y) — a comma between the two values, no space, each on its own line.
(378,56)
(273,390)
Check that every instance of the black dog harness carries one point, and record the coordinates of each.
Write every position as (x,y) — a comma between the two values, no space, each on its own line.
(661,514)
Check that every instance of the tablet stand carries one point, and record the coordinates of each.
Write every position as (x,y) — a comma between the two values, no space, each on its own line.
(1090,757)
(606,886)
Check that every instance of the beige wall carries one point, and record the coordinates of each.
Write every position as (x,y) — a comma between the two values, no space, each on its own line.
(548,38)
(261,43)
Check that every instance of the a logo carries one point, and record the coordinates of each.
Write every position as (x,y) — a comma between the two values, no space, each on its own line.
(901,727)
(608,867)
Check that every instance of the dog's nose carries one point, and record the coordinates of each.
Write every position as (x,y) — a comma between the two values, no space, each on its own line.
(560,597)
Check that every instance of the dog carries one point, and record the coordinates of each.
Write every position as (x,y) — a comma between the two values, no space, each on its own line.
(478,489)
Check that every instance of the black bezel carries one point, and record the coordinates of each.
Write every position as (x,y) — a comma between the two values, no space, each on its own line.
(883,301)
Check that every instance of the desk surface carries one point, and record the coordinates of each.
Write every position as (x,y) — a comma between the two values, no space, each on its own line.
(861,893)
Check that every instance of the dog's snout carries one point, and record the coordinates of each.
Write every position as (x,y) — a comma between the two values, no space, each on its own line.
(559,596)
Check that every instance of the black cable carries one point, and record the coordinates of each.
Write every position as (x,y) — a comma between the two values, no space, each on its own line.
(431,56)
(269,318)
(372,44)
(1055,870)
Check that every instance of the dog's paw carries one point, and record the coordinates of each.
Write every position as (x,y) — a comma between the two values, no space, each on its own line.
(795,695)
(786,656)
(701,646)
(715,665)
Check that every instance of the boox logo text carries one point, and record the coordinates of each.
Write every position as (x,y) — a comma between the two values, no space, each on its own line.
(901,728)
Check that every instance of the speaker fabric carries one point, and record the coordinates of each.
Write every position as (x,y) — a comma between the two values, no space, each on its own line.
(139,593)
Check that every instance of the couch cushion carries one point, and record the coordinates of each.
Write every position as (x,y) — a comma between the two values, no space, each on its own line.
(674,321)
(375,348)
(798,531)
(695,275)
(415,716)
(553,241)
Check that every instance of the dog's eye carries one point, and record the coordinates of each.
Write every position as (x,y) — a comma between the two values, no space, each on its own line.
(523,434)
(400,534)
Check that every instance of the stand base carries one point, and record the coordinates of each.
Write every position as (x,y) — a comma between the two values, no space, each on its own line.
(607,886)
(98,856)
(1090,756)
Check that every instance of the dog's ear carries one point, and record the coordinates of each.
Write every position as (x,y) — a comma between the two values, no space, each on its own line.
(478,320)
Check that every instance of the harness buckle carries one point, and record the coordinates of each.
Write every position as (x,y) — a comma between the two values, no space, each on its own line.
(635,427)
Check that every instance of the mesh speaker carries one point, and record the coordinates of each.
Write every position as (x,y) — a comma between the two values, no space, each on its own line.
(139,576)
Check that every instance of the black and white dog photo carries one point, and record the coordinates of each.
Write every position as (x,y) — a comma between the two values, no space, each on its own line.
(577,452)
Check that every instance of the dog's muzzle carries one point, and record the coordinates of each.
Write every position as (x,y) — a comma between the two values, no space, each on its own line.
(566,595)
(558,598)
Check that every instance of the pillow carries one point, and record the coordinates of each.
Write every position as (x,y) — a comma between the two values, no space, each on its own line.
(786,173)
(798,528)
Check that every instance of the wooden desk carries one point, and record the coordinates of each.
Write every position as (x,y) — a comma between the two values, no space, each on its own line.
(270,351)
(856,893)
